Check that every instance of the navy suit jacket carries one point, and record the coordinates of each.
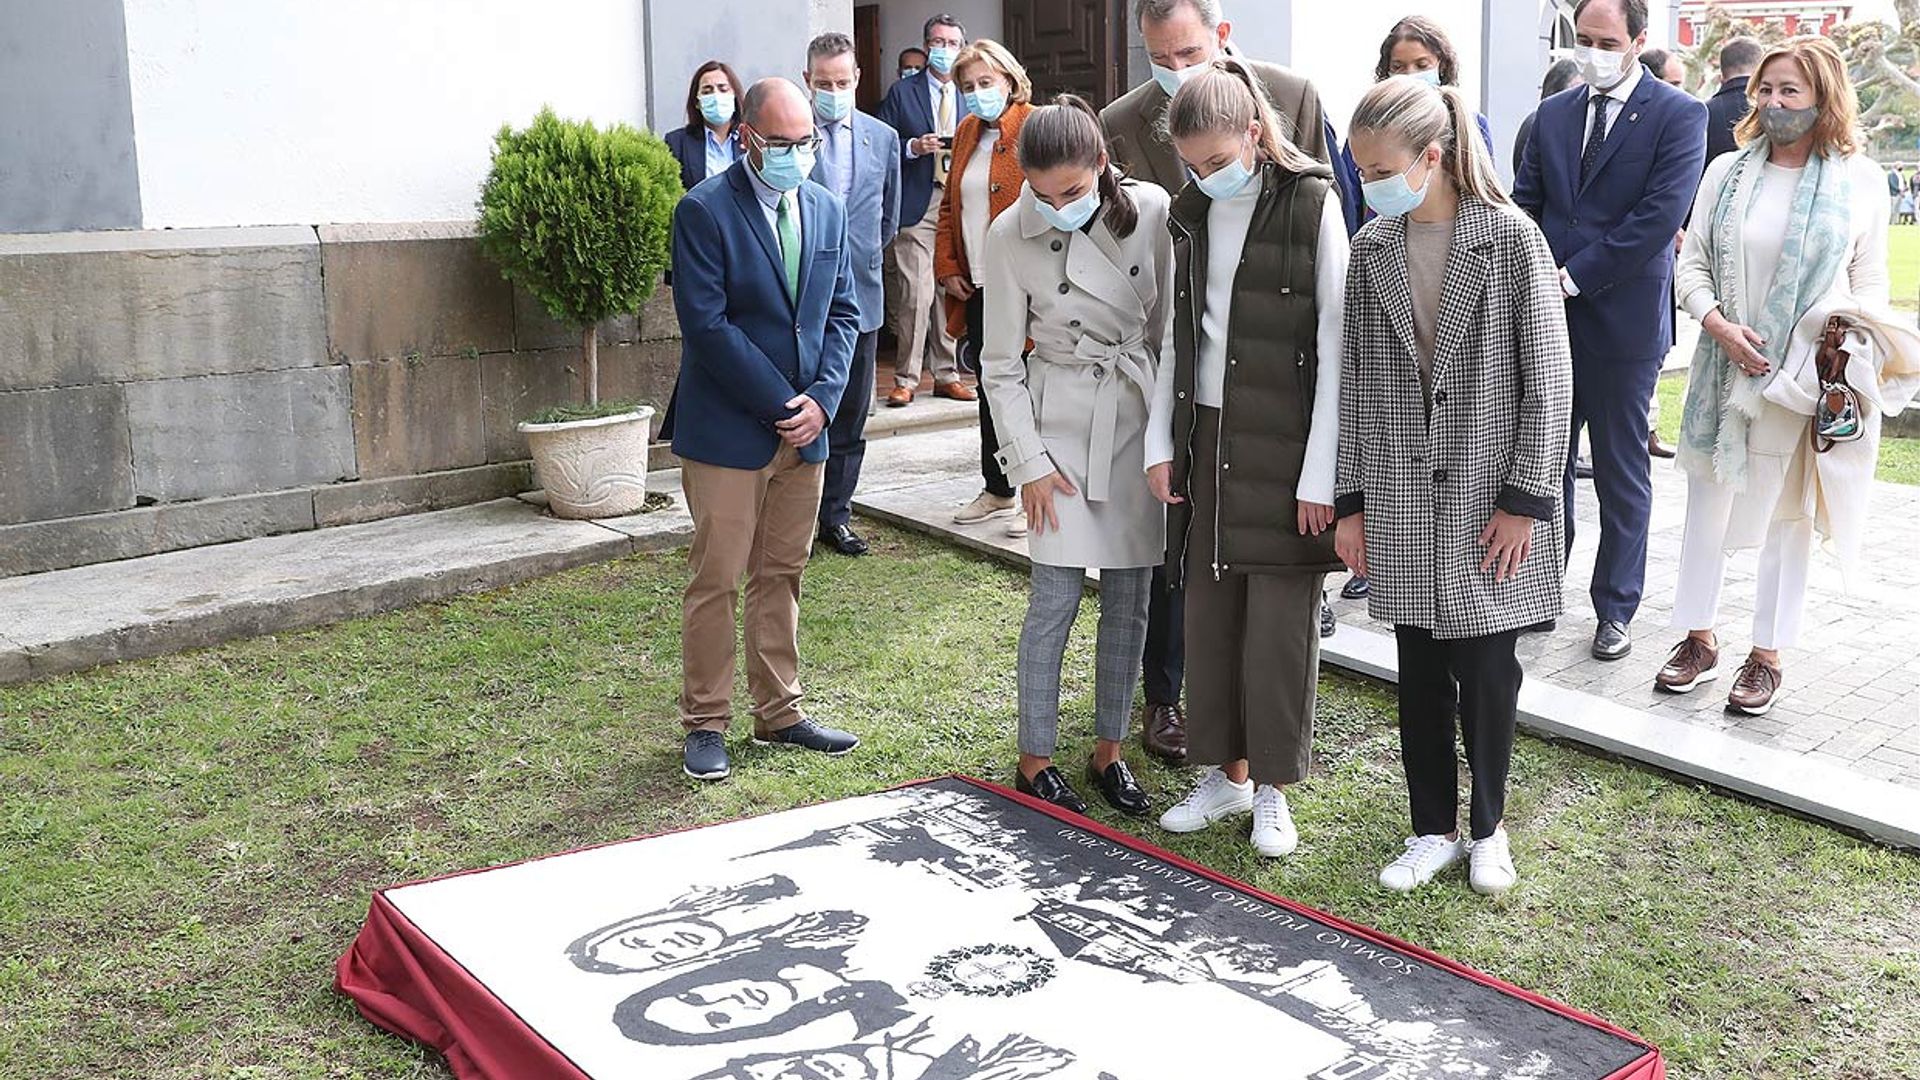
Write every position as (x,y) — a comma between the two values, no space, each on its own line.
(1725,110)
(873,211)
(1614,235)
(689,146)
(908,110)
(747,347)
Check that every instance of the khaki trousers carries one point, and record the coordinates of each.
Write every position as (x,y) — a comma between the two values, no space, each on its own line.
(920,325)
(758,523)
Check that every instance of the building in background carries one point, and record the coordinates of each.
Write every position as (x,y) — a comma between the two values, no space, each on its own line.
(1789,16)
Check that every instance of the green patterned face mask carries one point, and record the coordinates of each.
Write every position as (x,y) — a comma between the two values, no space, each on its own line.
(1784,127)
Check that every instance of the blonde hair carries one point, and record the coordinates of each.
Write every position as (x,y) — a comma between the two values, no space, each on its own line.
(995,55)
(1416,116)
(1820,61)
(1226,99)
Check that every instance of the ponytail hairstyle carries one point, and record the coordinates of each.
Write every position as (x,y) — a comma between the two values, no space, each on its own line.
(1416,115)
(1226,99)
(1067,134)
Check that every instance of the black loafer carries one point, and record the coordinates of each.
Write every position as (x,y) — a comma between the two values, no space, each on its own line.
(1328,624)
(1583,469)
(1049,786)
(1118,786)
(1611,641)
(844,540)
(1356,588)
(808,735)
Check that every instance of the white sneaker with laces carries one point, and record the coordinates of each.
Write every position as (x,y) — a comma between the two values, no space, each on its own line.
(985,507)
(1424,858)
(1017,525)
(1213,798)
(1273,831)
(1490,867)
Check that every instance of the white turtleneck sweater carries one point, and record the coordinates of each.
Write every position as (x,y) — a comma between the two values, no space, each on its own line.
(1227,223)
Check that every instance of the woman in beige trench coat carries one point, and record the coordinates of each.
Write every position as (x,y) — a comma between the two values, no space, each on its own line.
(1079,275)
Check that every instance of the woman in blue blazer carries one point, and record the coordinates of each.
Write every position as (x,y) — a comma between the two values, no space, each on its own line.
(710,143)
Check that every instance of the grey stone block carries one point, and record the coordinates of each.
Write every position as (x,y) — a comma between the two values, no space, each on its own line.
(514,386)
(419,288)
(533,328)
(235,434)
(39,546)
(417,415)
(371,500)
(105,307)
(658,319)
(63,453)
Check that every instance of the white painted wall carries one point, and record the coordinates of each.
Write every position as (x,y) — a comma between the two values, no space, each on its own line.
(250,112)
(1337,45)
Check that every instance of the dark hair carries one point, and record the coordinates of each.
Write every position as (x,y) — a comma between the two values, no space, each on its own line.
(1740,55)
(829,45)
(942,19)
(1067,133)
(913,49)
(1634,11)
(1560,76)
(694,119)
(1655,60)
(1427,33)
(872,1005)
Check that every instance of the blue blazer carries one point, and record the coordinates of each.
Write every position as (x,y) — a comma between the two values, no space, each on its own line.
(1725,109)
(1615,234)
(908,110)
(873,211)
(747,347)
(689,146)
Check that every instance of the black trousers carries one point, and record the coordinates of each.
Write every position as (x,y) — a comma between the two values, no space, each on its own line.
(995,478)
(1164,668)
(1477,679)
(847,436)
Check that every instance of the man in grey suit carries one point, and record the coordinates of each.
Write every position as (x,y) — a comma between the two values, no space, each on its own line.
(859,161)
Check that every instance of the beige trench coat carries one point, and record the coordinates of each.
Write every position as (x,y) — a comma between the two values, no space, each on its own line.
(1098,311)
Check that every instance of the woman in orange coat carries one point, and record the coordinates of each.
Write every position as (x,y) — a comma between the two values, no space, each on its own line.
(984,179)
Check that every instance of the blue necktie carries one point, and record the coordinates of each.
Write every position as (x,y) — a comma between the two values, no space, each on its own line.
(1595,137)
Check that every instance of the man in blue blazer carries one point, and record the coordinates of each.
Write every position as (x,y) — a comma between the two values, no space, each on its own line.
(1609,172)
(764,287)
(859,162)
(1728,105)
(924,110)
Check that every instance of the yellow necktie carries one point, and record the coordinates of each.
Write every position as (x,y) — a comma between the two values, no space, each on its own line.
(943,125)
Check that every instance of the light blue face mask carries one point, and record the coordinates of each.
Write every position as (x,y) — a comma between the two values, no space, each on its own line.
(1074,216)
(832,105)
(1430,76)
(784,168)
(1394,196)
(1170,80)
(1225,182)
(986,104)
(716,108)
(941,58)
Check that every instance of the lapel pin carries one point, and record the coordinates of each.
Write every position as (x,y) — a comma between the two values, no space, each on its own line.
(1631,117)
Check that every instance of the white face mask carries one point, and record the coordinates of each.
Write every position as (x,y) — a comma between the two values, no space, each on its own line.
(1601,69)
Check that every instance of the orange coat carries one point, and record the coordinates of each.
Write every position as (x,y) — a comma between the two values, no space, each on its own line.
(1003,182)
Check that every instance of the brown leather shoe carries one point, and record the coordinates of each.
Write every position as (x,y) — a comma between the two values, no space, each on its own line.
(955,391)
(1163,731)
(1656,448)
(1693,662)
(900,397)
(1754,687)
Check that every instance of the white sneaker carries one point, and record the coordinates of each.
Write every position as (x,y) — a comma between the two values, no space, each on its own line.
(1213,798)
(1490,866)
(1017,525)
(1425,857)
(1273,831)
(985,507)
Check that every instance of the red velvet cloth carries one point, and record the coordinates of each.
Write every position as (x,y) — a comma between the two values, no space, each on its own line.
(405,983)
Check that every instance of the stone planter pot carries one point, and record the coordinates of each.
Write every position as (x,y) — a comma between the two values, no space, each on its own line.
(593,468)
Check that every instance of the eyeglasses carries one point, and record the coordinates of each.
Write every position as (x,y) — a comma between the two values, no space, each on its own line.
(810,143)
(951,43)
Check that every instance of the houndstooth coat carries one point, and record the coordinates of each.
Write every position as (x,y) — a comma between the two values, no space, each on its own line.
(1497,437)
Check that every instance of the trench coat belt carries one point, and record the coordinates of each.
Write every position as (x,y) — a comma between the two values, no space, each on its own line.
(1111,363)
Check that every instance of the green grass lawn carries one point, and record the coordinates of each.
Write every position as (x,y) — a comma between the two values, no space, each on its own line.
(1899,458)
(1903,266)
(187,844)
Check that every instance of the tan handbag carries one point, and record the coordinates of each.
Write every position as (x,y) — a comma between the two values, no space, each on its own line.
(1837,417)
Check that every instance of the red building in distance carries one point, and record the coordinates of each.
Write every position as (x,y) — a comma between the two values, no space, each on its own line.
(1801,17)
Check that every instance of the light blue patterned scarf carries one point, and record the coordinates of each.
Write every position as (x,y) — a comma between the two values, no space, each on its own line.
(1722,400)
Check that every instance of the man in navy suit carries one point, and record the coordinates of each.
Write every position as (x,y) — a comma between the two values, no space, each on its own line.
(764,287)
(1728,106)
(1609,172)
(859,162)
(924,110)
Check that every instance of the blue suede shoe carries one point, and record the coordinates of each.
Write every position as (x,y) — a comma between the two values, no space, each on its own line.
(811,736)
(706,756)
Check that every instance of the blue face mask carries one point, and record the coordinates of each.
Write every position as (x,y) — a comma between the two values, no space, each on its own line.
(716,108)
(1430,76)
(784,168)
(832,105)
(908,73)
(1394,196)
(941,58)
(1072,217)
(1170,80)
(1225,182)
(986,104)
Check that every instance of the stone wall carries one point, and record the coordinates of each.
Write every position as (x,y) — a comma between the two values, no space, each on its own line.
(166,389)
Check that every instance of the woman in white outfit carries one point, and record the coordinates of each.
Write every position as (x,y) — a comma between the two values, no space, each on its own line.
(1786,231)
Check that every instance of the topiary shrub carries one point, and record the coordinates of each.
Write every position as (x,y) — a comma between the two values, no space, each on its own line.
(582,218)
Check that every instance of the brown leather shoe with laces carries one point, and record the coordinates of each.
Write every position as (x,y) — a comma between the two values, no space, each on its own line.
(1164,733)
(1693,662)
(1755,687)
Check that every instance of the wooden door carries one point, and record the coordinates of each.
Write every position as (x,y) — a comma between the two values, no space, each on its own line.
(866,52)
(1070,45)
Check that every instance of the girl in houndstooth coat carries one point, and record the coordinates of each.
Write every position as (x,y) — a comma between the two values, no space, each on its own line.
(1455,394)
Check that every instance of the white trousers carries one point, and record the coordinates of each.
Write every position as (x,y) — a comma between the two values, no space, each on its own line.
(1780,593)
